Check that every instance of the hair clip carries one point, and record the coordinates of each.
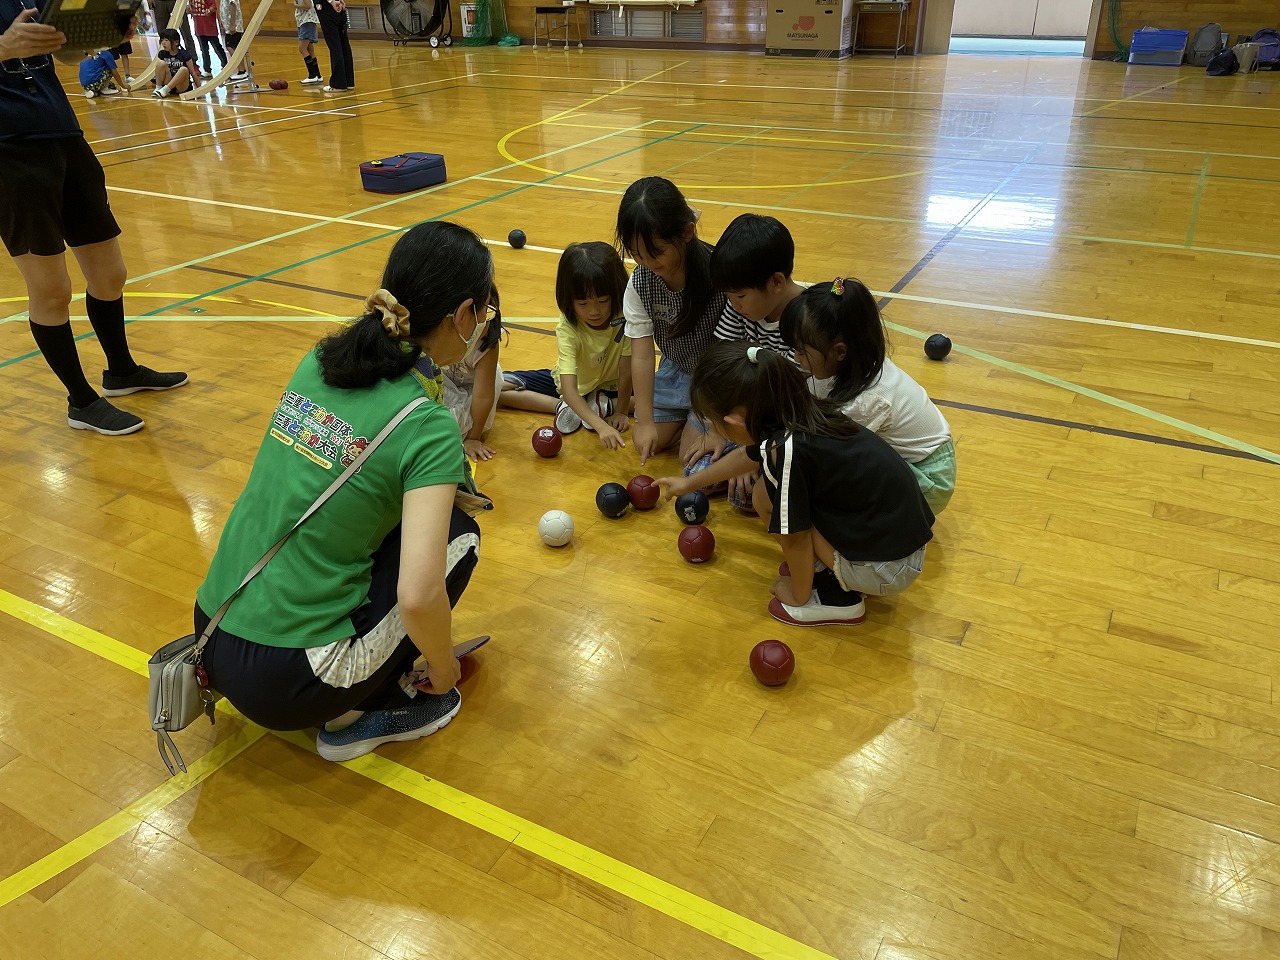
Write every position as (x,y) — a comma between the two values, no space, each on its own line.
(753,355)
(838,287)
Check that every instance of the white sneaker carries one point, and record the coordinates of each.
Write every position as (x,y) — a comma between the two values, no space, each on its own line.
(160,92)
(601,404)
(815,613)
(566,420)
(237,77)
(90,94)
(310,80)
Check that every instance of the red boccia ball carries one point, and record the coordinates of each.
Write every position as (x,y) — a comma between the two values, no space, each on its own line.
(547,441)
(644,493)
(279,84)
(772,662)
(697,544)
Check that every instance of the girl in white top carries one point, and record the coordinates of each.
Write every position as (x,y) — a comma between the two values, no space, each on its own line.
(471,388)
(838,336)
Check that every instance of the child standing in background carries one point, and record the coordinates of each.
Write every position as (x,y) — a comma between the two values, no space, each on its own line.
(308,21)
(839,338)
(593,362)
(670,304)
(232,20)
(121,52)
(205,15)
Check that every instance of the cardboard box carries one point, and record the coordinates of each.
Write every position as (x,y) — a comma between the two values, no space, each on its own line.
(809,28)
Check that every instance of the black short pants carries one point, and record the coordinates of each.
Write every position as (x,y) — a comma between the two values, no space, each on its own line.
(52,192)
(277,688)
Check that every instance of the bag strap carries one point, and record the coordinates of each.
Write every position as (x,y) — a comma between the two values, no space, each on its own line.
(347,474)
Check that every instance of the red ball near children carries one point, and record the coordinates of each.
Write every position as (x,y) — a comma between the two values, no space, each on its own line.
(644,493)
(697,543)
(772,662)
(547,441)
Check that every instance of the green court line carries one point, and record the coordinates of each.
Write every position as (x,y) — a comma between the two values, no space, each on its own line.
(1162,418)
(391,233)
(1195,206)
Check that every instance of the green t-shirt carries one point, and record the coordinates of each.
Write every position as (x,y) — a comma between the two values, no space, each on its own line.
(593,356)
(305,595)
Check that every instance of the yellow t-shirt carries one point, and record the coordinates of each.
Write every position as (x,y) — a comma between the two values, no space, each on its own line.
(591,355)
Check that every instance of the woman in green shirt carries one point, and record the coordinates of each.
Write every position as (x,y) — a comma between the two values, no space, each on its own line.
(326,633)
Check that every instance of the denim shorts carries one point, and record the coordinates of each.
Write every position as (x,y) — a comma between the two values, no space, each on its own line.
(671,396)
(309,31)
(879,578)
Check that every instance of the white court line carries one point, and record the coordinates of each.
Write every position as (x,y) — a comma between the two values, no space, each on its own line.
(236,128)
(204,122)
(248,206)
(1074,98)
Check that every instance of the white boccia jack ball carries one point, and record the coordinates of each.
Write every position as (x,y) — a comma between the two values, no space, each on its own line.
(555,528)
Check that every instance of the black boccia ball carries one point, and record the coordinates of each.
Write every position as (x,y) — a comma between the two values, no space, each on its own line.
(937,347)
(516,238)
(612,500)
(692,507)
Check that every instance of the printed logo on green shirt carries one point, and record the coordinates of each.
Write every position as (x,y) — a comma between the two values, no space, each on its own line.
(315,432)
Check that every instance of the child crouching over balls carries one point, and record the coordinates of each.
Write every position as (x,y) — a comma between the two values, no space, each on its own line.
(843,505)
(97,74)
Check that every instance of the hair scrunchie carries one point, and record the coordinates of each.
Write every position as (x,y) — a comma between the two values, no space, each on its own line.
(395,316)
(753,355)
(838,287)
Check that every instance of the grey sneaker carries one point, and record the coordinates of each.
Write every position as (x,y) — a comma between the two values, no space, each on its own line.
(428,714)
(566,420)
(144,378)
(101,417)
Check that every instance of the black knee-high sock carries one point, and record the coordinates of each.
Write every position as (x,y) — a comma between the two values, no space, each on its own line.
(58,344)
(107,317)
(313,66)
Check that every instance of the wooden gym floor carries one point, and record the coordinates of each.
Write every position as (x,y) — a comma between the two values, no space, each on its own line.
(1062,744)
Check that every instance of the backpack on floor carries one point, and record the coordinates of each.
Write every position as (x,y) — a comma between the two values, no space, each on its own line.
(1206,42)
(1268,41)
(1223,64)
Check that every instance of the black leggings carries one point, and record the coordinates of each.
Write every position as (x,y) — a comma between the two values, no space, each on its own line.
(276,687)
(205,44)
(334,26)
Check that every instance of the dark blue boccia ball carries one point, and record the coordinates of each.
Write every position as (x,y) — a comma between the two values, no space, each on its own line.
(516,238)
(937,347)
(692,507)
(612,500)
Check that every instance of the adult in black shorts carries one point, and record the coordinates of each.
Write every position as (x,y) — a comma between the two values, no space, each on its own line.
(53,192)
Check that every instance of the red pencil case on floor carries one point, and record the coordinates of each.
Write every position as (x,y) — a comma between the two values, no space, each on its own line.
(403,172)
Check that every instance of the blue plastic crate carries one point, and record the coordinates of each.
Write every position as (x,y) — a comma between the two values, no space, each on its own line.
(1160,47)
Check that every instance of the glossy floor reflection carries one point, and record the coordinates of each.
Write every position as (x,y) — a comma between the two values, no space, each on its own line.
(1061,744)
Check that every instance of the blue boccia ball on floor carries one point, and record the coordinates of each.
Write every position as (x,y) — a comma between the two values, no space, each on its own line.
(692,507)
(612,499)
(516,238)
(937,347)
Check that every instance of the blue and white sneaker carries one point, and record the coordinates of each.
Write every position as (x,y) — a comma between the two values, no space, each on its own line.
(428,714)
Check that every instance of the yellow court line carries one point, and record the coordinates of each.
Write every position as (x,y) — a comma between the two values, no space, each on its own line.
(160,295)
(115,827)
(508,155)
(675,902)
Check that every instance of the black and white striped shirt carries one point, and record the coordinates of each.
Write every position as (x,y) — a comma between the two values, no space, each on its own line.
(737,326)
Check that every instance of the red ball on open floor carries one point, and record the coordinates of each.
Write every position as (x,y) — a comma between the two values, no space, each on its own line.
(644,493)
(772,662)
(547,441)
(279,84)
(697,543)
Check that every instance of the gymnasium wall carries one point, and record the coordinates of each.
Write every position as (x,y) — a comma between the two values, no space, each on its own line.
(729,23)
(1236,17)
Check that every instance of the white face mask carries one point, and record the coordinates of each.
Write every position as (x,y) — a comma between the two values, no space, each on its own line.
(475,335)
(821,388)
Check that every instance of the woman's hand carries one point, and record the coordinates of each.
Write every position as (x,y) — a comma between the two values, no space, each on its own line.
(477,449)
(27,39)
(442,677)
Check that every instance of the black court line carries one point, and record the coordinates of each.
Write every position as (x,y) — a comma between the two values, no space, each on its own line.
(954,404)
(1107,431)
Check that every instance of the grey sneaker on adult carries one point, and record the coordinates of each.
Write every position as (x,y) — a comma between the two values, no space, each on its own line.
(566,420)
(427,714)
(101,417)
(144,378)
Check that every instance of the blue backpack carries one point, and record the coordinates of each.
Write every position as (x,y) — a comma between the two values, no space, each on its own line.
(1223,64)
(1268,41)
